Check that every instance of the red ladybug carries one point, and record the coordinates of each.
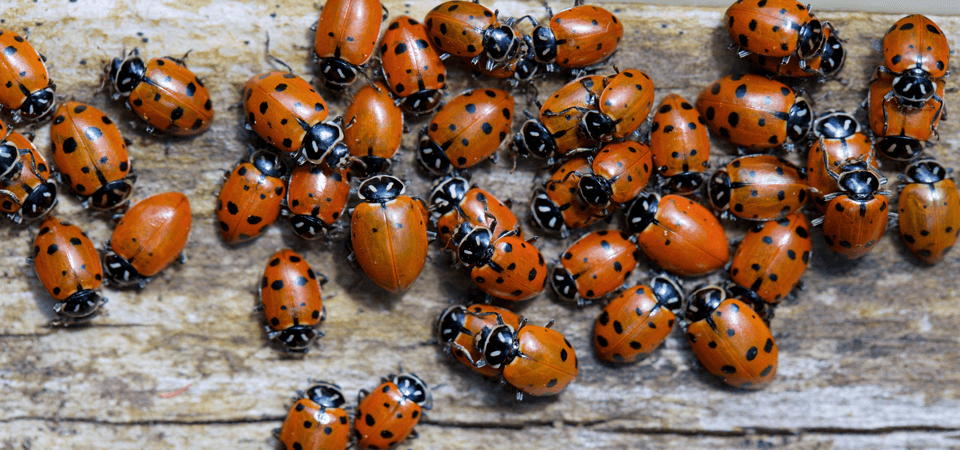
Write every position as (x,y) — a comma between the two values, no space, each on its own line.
(389,233)
(678,234)
(25,86)
(250,198)
(412,68)
(575,38)
(594,266)
(775,28)
(679,144)
(552,134)
(460,326)
(466,130)
(317,195)
(620,172)
(618,110)
(902,127)
(68,265)
(556,207)
(754,111)
(504,266)
(454,201)
(730,340)
(517,71)
(537,361)
(162,92)
(292,302)
(929,216)
(826,63)
(286,112)
(31,194)
(91,155)
(856,215)
(318,421)
(346,37)
(388,414)
(148,238)
(838,135)
(916,53)
(772,257)
(10,163)
(758,187)
(469,30)
(635,323)
(375,128)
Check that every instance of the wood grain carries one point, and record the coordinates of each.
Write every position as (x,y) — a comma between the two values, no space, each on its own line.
(868,351)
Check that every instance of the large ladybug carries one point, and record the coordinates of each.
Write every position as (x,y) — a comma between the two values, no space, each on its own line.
(635,323)
(929,215)
(250,198)
(376,129)
(837,134)
(25,86)
(758,187)
(387,415)
(467,130)
(679,144)
(856,216)
(504,266)
(917,54)
(774,28)
(346,37)
(620,172)
(773,256)
(552,135)
(458,327)
(452,201)
(575,38)
(902,127)
(413,69)
(317,196)
(595,265)
(292,301)
(469,30)
(317,421)
(68,265)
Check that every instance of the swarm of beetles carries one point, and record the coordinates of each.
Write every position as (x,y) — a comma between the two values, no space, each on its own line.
(594,133)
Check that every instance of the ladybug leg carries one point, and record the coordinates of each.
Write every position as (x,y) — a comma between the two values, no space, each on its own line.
(386,13)
(361,394)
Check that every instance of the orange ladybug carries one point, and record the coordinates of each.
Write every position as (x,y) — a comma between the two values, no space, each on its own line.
(148,238)
(856,215)
(250,198)
(620,108)
(552,134)
(636,322)
(595,265)
(775,28)
(575,38)
(292,302)
(412,68)
(459,326)
(902,128)
(826,63)
(68,265)
(452,200)
(346,37)
(25,86)
(388,414)
(917,54)
(837,134)
(375,128)
(32,194)
(758,187)
(679,144)
(556,206)
(929,215)
(317,196)
(504,266)
(466,130)
(318,421)
(620,172)
(469,30)
(773,256)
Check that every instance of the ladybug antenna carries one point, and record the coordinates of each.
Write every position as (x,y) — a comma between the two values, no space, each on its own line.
(274,58)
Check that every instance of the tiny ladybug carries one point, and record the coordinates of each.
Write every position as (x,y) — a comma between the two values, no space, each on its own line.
(679,144)
(317,196)
(389,233)
(468,30)
(536,360)
(504,266)
(162,92)
(25,86)
(376,128)
(730,339)
(346,37)
(91,155)
(459,326)
(454,201)
(31,194)
(553,135)
(916,53)
(291,298)
(758,187)
(286,112)
(68,265)
(826,63)
(855,216)
(575,38)
(773,256)
(250,198)
(929,216)
(388,414)
(595,265)
(412,68)
(620,172)
(774,28)
(754,111)
(317,421)
(837,134)
(556,206)
(148,238)
(902,128)
(635,323)
(678,234)
(466,130)
(620,108)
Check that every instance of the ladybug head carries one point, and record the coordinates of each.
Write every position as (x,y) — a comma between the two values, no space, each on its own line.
(39,103)
(297,339)
(703,302)
(414,389)
(474,244)
(432,157)
(544,44)
(683,183)
(925,171)
(447,193)
(10,164)
(563,283)
(309,227)
(546,213)
(833,57)
(324,143)
(126,74)
(337,73)
(810,39)
(914,87)
(268,164)
(799,120)
(119,271)
(535,139)
(381,189)
(327,395)
(598,126)
(836,125)
(501,42)
(498,347)
(594,190)
(746,295)
(525,68)
(668,292)
(422,102)
(860,182)
(113,194)
(899,148)
(718,190)
(450,323)
(40,201)
(642,212)
(81,304)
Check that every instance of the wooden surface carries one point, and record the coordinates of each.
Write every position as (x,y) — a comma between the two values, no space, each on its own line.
(868,352)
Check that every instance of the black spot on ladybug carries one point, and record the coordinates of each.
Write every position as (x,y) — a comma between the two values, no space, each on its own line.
(386,434)
(602,341)
(176,114)
(728,370)
(552,383)
(751,353)
(768,346)
(369,420)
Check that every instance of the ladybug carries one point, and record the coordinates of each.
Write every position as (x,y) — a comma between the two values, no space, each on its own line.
(620,172)
(412,68)
(730,340)
(902,128)
(346,37)
(758,187)
(594,266)
(459,326)
(26,86)
(318,420)
(753,111)
(916,53)
(453,201)
(855,216)
(31,194)
(558,134)
(775,28)
(286,112)
(148,238)
(317,195)
(68,265)
(773,256)
(678,234)
(575,38)
(91,155)
(619,110)
(388,414)
(825,64)
(679,144)
(162,92)
(635,323)
(929,217)
(536,360)
(250,198)
(556,206)
(466,130)
(504,266)
(292,303)
(376,128)
(468,30)
(517,71)
(10,163)
(389,233)
(839,135)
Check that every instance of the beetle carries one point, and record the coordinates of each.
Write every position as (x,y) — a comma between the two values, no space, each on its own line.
(556,206)
(466,130)
(452,201)
(68,265)
(595,265)
(388,414)
(504,266)
(837,134)
(758,187)
(773,256)
(825,64)
(346,37)
(250,198)
(317,196)
(620,171)
(318,420)
(468,30)
(459,326)
(679,144)
(636,322)
(916,53)
(412,68)
(25,86)
(376,129)
(775,28)
(292,301)
(618,110)
(929,210)
(554,135)
(575,38)
(32,194)
(902,129)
